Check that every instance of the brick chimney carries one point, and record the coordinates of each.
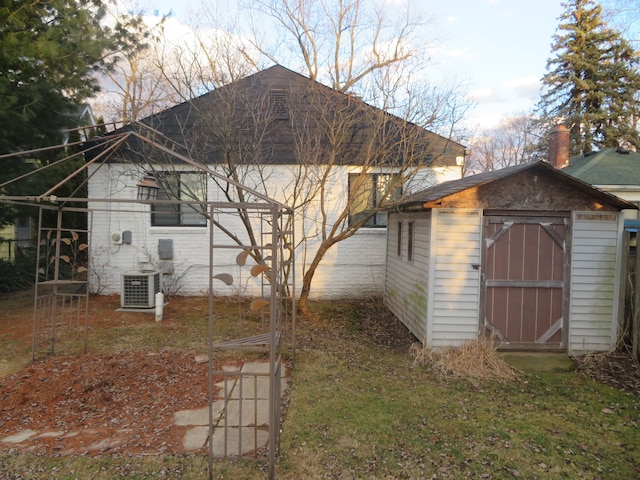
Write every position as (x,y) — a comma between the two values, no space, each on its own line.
(559,147)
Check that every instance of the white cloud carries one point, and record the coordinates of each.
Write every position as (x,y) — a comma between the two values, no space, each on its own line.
(484,95)
(528,86)
(520,82)
(462,53)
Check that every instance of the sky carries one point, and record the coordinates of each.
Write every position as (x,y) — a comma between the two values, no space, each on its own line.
(498,49)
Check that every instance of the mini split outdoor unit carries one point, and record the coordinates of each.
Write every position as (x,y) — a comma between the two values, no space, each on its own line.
(138,290)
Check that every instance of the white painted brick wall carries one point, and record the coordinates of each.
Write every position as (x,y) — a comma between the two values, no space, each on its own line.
(352,268)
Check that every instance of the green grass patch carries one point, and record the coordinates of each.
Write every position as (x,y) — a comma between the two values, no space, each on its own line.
(191,467)
(362,409)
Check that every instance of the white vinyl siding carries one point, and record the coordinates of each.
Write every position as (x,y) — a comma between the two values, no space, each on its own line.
(454,284)
(406,282)
(595,281)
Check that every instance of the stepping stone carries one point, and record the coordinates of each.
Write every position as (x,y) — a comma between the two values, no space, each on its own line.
(256,367)
(256,386)
(240,419)
(251,440)
(251,387)
(195,438)
(51,434)
(198,416)
(201,358)
(20,436)
(249,414)
(106,444)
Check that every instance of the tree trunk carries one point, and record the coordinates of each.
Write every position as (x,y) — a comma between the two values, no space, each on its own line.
(303,307)
(635,314)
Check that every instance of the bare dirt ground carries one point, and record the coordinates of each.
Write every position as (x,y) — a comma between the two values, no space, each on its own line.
(124,402)
(99,404)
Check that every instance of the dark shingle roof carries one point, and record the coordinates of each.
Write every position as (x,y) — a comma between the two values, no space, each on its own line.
(241,111)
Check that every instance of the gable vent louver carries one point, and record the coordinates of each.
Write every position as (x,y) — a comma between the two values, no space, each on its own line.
(278,104)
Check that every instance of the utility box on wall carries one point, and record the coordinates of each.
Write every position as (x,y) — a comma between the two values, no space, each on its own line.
(165,249)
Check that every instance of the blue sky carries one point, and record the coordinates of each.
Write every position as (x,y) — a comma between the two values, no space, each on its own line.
(497,48)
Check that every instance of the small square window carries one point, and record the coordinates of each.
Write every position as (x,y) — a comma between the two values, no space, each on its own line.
(368,192)
(185,186)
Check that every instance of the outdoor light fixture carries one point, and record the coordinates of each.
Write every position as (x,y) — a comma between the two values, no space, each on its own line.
(148,188)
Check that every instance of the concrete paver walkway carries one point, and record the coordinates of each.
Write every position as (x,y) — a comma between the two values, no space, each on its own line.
(241,420)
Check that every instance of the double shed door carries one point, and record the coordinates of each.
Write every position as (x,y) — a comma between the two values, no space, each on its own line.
(524,280)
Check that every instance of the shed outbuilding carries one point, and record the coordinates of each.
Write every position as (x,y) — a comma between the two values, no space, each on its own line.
(527,255)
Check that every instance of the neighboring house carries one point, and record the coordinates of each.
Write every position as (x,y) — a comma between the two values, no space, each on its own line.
(15,237)
(7,235)
(526,255)
(614,170)
(22,234)
(263,132)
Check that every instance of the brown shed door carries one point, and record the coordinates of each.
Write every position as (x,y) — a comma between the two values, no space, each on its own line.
(523,280)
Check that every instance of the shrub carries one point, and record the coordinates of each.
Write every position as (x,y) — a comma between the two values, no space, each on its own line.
(17,274)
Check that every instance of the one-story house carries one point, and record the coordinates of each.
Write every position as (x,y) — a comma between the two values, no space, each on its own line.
(276,132)
(16,236)
(613,170)
(528,256)
(22,233)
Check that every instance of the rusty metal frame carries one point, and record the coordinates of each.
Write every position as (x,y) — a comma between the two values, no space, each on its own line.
(281,309)
(59,314)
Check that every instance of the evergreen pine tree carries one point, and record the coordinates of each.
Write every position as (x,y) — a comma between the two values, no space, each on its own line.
(591,84)
(50,53)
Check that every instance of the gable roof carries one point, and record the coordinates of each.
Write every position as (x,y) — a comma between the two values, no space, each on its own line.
(179,125)
(430,197)
(606,167)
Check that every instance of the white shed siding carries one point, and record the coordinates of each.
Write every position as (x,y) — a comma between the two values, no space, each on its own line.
(406,281)
(454,284)
(595,281)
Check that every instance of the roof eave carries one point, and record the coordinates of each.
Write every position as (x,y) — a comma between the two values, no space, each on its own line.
(605,197)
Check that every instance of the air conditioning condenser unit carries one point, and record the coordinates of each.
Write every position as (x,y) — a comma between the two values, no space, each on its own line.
(138,290)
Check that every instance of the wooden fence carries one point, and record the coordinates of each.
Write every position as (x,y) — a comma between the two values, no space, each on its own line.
(630,340)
